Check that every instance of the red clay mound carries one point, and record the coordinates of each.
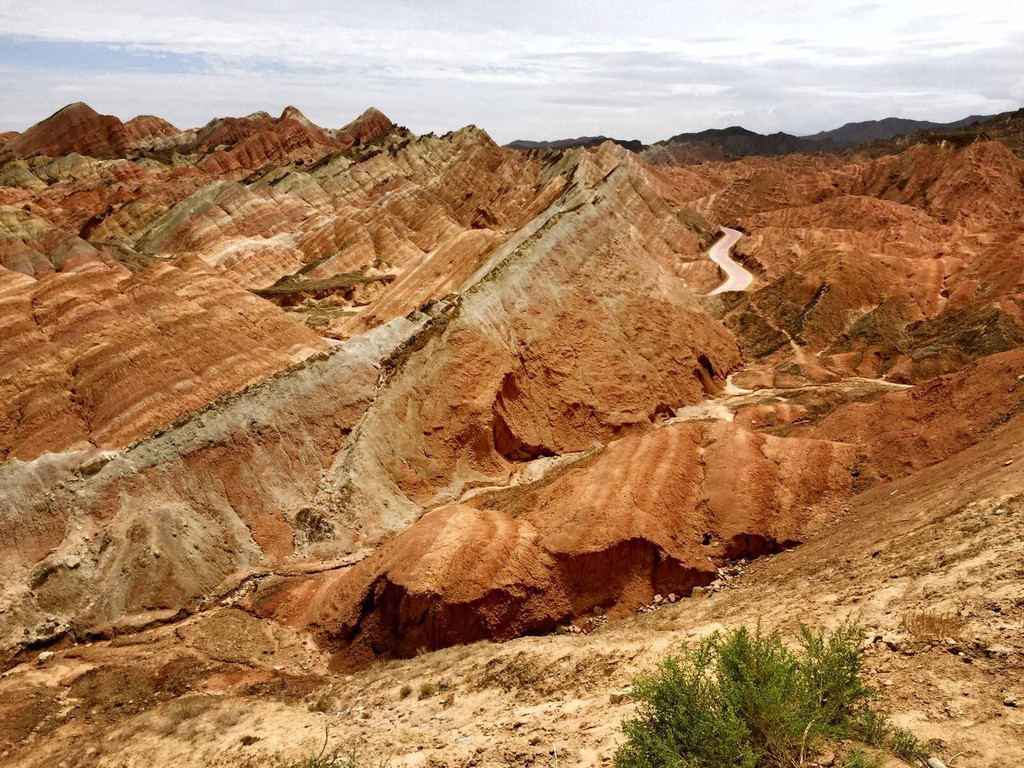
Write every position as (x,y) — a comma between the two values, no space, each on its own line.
(75,128)
(903,432)
(96,356)
(655,513)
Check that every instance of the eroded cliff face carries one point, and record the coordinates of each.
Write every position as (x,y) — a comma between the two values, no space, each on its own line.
(404,392)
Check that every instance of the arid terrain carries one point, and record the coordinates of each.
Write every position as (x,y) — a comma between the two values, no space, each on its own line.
(425,447)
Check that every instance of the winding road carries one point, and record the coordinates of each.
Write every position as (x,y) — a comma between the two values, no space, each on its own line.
(736,277)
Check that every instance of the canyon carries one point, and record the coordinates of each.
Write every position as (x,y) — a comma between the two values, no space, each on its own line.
(292,413)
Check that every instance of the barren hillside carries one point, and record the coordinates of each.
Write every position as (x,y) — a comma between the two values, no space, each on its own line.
(294,416)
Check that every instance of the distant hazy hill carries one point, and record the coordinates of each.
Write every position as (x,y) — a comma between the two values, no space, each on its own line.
(874,130)
(736,141)
(740,142)
(634,145)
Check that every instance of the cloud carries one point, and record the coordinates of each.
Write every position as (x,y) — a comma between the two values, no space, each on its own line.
(523,70)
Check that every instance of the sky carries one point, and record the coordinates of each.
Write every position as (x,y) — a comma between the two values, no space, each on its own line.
(534,69)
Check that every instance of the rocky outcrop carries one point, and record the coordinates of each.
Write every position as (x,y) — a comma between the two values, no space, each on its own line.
(517,367)
(162,522)
(365,128)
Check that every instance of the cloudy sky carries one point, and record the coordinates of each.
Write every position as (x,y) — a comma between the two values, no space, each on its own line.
(538,69)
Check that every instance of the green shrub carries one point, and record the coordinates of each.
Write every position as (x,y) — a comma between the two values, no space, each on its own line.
(860,759)
(743,700)
(906,746)
(874,727)
(427,690)
(404,691)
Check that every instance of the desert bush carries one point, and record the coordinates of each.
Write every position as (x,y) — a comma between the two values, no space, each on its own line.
(427,690)
(181,711)
(934,625)
(321,704)
(744,700)
(404,691)
(337,760)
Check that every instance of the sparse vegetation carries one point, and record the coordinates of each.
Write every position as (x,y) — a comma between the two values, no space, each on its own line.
(182,710)
(932,626)
(321,704)
(861,759)
(427,690)
(906,746)
(744,700)
(336,758)
(404,691)
(874,728)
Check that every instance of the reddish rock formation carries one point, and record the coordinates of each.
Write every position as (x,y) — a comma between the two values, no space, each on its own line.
(522,449)
(650,514)
(146,128)
(162,522)
(75,128)
(368,126)
(289,139)
(97,356)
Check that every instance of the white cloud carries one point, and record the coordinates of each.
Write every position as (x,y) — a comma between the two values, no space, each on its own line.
(527,69)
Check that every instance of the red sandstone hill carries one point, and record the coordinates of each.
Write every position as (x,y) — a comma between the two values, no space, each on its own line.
(75,128)
(228,144)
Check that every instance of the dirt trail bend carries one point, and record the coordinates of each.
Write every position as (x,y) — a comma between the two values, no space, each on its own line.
(737,278)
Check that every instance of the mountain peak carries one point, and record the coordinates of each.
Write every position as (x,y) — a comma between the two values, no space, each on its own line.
(293,113)
(76,127)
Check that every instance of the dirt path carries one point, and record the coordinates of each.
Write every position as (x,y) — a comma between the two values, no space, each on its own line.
(737,278)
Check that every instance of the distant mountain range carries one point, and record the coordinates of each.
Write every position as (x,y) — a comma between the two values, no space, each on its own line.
(634,145)
(736,141)
(874,130)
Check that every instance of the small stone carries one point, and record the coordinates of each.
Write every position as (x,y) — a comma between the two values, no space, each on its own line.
(673,597)
(617,697)
(699,592)
(826,759)
(1011,701)
(46,656)
(934,762)
(658,599)
(72,561)
(1008,463)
